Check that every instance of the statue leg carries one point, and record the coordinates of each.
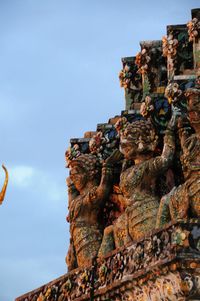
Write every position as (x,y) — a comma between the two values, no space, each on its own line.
(121,233)
(71,257)
(163,216)
(179,203)
(108,243)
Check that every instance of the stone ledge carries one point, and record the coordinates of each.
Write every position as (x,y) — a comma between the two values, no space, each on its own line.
(170,255)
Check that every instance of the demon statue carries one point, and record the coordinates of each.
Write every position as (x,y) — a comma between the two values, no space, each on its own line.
(138,141)
(88,188)
(183,201)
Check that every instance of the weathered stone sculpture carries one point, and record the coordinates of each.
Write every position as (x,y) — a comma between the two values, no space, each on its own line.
(184,201)
(131,81)
(138,141)
(3,191)
(86,200)
(135,223)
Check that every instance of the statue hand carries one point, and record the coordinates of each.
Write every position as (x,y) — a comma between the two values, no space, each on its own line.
(183,122)
(176,112)
(115,157)
(69,181)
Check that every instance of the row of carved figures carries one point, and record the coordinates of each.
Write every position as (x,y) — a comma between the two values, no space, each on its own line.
(143,210)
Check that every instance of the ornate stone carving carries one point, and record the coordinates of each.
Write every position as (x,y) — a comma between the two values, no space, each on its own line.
(178,50)
(152,67)
(104,142)
(143,61)
(169,50)
(147,107)
(161,266)
(134,186)
(173,93)
(183,201)
(87,196)
(131,81)
(194,36)
(137,143)
(193,29)
(158,109)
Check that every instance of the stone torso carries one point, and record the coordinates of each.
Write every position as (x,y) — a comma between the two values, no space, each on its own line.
(86,230)
(135,182)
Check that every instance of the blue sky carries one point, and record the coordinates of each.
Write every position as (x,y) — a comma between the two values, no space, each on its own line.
(59,64)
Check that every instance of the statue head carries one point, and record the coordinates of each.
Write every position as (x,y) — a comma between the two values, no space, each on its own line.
(84,169)
(137,138)
(193,96)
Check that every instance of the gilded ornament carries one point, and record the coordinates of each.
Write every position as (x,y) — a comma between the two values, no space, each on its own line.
(3,190)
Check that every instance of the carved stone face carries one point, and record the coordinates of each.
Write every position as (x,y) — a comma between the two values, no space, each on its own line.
(132,149)
(136,139)
(194,118)
(78,177)
(194,111)
(128,149)
(193,96)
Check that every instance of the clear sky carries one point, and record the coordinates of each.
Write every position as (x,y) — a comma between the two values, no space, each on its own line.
(59,64)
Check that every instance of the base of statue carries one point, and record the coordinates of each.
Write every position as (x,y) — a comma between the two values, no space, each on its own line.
(163,266)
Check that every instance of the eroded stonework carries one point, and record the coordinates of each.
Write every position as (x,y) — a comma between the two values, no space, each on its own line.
(163,266)
(134,184)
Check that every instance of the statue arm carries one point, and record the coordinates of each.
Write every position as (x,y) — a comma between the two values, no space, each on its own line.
(161,163)
(72,192)
(184,131)
(105,186)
